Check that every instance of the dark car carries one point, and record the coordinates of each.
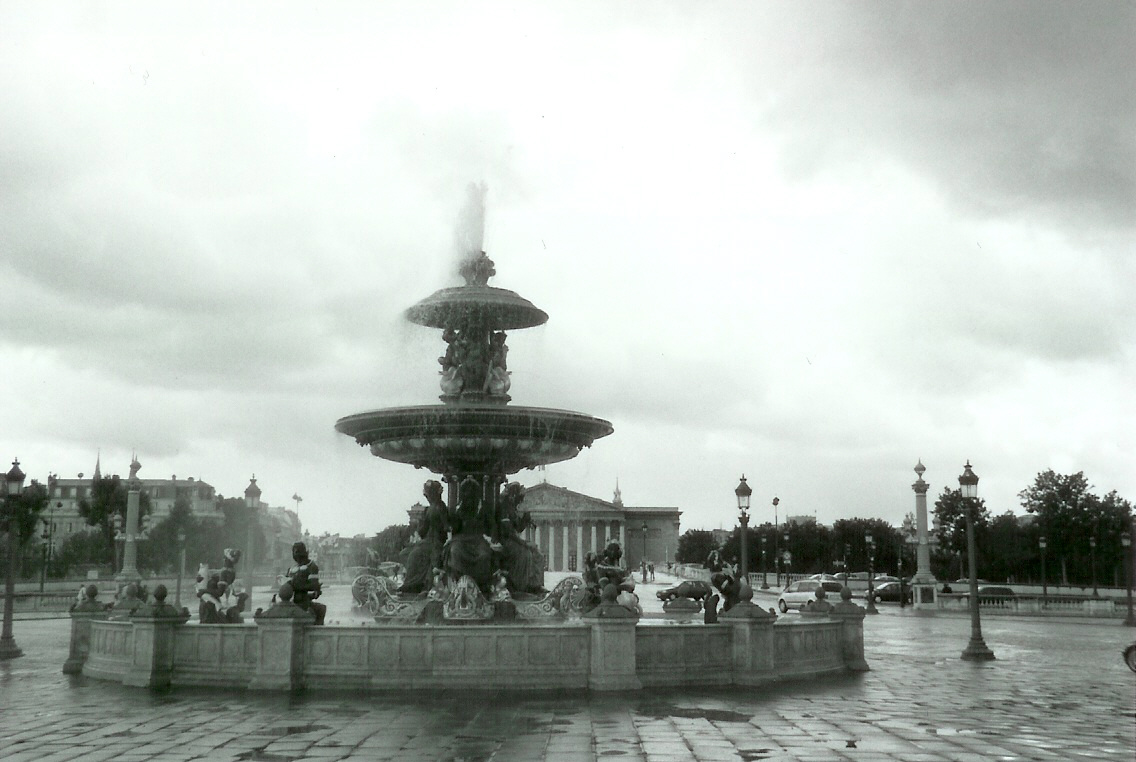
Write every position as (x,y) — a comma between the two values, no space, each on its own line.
(994,593)
(889,591)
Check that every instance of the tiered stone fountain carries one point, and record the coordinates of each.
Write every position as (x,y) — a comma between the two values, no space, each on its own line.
(474,440)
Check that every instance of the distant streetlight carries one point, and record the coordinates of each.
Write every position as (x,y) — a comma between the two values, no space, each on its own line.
(776,552)
(181,565)
(786,556)
(1041,543)
(1093,563)
(252,502)
(644,564)
(976,649)
(1129,572)
(743,491)
(764,582)
(870,543)
(14,485)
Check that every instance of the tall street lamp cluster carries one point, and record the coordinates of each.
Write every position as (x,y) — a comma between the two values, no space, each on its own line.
(976,649)
(13,486)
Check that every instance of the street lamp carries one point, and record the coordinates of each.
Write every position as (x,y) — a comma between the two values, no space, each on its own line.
(14,485)
(786,556)
(871,607)
(776,553)
(1093,563)
(743,492)
(976,649)
(1044,585)
(764,582)
(643,565)
(847,552)
(252,501)
(1130,570)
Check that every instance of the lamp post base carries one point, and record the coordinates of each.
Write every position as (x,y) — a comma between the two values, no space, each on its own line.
(1130,621)
(976,650)
(9,649)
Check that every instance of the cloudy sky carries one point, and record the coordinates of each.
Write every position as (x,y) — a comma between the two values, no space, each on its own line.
(810,243)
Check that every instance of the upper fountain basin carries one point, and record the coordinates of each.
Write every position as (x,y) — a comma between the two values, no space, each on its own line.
(476,438)
(494,308)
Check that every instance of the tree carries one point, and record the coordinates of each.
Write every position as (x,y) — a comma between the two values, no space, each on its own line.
(1069,514)
(849,534)
(388,544)
(23,517)
(106,507)
(694,546)
(951,509)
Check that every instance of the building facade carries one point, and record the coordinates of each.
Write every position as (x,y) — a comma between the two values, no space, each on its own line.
(568,525)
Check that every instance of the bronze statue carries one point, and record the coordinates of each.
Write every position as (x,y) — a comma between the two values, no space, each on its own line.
(305,582)
(522,561)
(426,554)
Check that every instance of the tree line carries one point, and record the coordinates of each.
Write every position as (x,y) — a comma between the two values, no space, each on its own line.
(1064,508)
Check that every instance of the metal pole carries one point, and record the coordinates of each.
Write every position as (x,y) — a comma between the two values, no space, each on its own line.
(8,647)
(1130,563)
(1044,583)
(871,607)
(764,567)
(745,554)
(976,649)
(1093,564)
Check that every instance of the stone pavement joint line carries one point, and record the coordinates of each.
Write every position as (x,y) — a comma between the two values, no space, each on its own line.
(1058,690)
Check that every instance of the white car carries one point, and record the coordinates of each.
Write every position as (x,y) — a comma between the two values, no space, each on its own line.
(797,594)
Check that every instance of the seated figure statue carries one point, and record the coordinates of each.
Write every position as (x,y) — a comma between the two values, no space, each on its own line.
(426,554)
(522,561)
(469,552)
(304,579)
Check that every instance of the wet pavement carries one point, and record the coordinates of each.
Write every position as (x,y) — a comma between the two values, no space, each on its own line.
(1057,691)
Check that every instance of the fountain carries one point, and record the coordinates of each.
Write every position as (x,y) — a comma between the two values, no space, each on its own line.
(472,566)
(474,440)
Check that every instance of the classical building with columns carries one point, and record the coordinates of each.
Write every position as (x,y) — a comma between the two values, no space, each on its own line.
(567,525)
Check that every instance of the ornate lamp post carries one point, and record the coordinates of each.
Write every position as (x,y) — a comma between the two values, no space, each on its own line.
(643,565)
(786,556)
(1129,572)
(14,485)
(1041,543)
(776,553)
(847,552)
(252,502)
(764,582)
(976,649)
(1093,563)
(871,607)
(743,492)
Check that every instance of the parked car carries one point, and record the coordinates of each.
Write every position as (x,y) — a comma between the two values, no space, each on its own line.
(889,591)
(881,578)
(966,581)
(825,577)
(797,594)
(862,576)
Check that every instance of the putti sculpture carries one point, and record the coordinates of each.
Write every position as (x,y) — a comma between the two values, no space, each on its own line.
(471,560)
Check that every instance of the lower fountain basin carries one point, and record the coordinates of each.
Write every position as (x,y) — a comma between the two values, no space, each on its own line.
(474,438)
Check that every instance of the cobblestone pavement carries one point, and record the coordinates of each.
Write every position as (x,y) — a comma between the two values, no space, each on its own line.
(1057,691)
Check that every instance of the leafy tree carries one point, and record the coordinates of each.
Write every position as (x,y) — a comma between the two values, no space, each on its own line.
(951,509)
(107,506)
(238,517)
(1069,514)
(81,549)
(22,517)
(388,544)
(694,546)
(849,535)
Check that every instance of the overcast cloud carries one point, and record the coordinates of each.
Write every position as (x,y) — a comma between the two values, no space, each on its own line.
(807,242)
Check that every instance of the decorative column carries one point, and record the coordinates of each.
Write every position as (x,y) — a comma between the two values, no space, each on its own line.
(536,537)
(129,571)
(923,590)
(623,541)
(595,548)
(564,546)
(579,547)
